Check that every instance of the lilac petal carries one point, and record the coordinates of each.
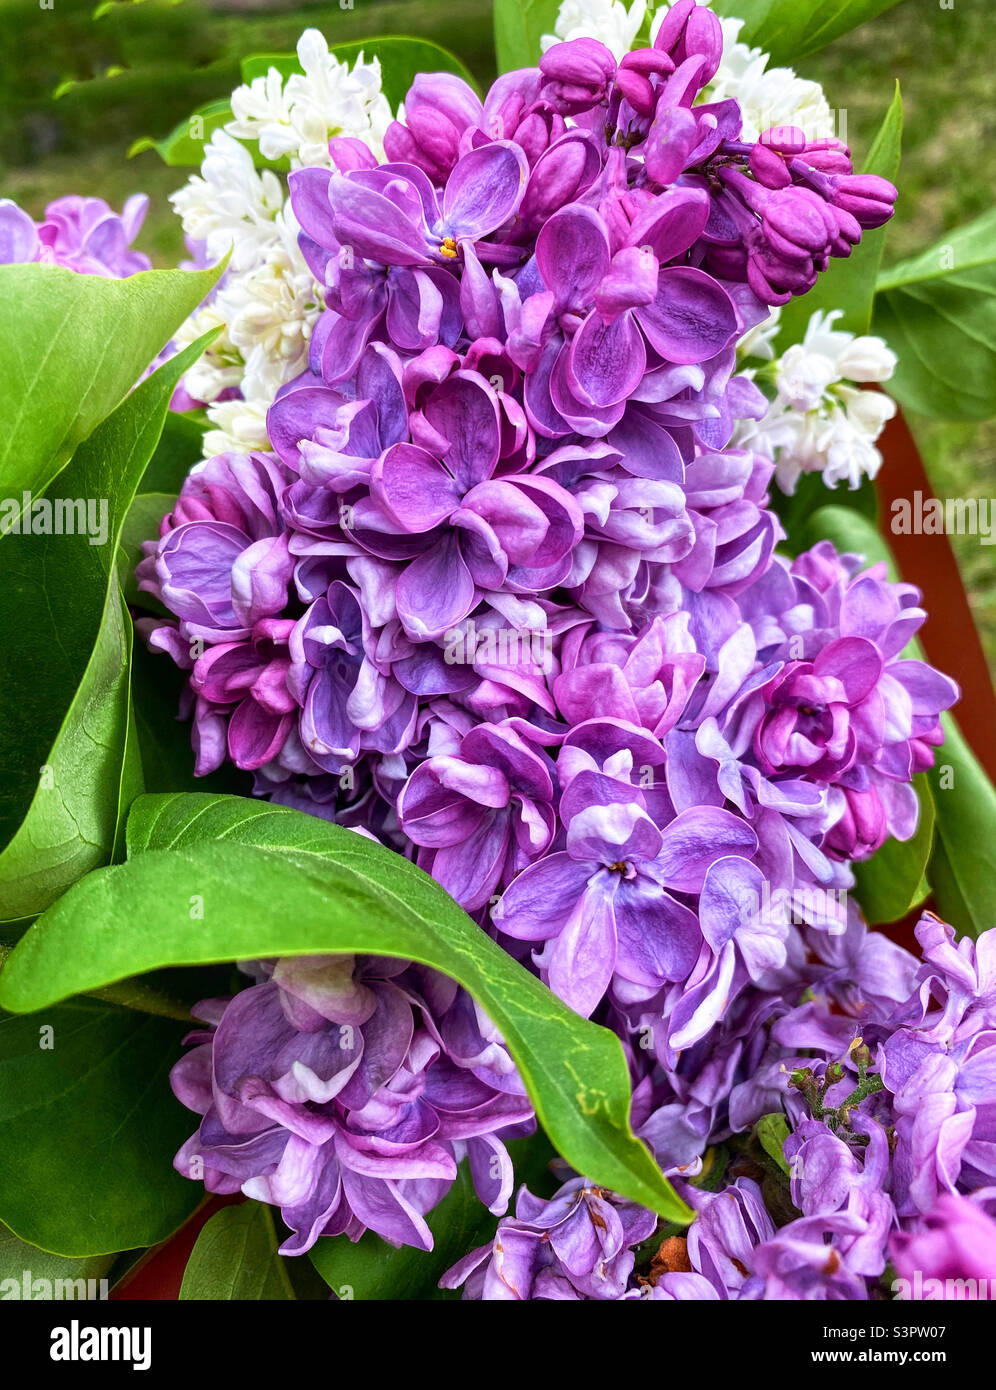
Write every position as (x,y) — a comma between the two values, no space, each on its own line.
(256,737)
(607,360)
(414,487)
(380,1206)
(374,225)
(484,190)
(658,938)
(692,319)
(435,592)
(572,254)
(464,412)
(579,962)
(492,1172)
(470,870)
(730,900)
(537,904)
(694,840)
(672,222)
(309,195)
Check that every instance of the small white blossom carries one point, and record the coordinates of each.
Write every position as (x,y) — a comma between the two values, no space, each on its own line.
(817,422)
(295,119)
(239,426)
(230,204)
(607,20)
(268,301)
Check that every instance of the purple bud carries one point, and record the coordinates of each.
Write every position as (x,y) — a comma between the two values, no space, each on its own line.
(578,74)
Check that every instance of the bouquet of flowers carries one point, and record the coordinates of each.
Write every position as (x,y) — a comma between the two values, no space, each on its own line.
(479,695)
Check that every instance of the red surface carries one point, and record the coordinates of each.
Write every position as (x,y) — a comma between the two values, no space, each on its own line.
(158,1274)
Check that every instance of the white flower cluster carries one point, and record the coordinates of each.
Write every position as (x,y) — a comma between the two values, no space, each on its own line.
(268,301)
(606,20)
(819,420)
(768,96)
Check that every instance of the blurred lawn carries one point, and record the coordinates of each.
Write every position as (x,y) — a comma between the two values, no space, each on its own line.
(175,57)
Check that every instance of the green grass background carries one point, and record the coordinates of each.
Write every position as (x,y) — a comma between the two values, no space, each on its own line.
(176,56)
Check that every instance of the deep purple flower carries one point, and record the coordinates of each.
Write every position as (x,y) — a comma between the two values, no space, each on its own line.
(325,1090)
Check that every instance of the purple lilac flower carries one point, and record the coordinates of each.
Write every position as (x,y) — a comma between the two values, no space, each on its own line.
(577,1245)
(326,1089)
(81,234)
(504,597)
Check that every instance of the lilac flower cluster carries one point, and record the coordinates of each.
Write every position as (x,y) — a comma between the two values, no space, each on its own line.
(345,1092)
(81,234)
(882,1080)
(503,596)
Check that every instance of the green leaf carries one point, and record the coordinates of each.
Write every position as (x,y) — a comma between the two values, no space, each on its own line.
(519,26)
(25,1263)
(772,1130)
(892,881)
(401,60)
(184,146)
(810,496)
(90,1129)
(328,891)
(372,1269)
(75,346)
(849,284)
(180,446)
(235,1257)
(937,312)
(68,634)
(791,29)
(962,869)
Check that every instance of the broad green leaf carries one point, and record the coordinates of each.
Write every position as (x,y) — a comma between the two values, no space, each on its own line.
(772,1130)
(90,1129)
(75,815)
(371,1269)
(180,446)
(937,312)
(184,146)
(24,1263)
(892,881)
(75,345)
(66,634)
(849,284)
(519,26)
(235,1257)
(791,29)
(962,869)
(401,60)
(327,891)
